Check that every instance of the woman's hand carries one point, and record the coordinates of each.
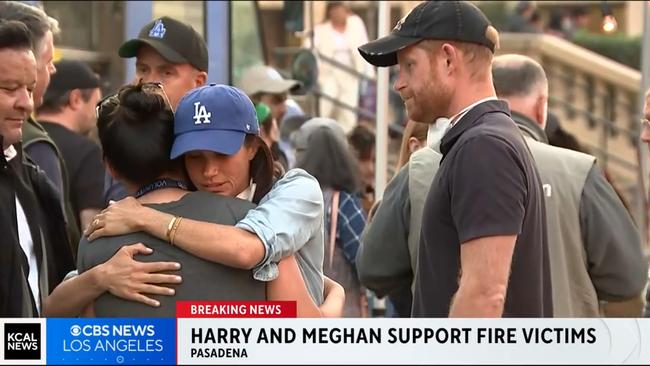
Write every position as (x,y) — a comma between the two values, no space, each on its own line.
(129,279)
(121,217)
(332,306)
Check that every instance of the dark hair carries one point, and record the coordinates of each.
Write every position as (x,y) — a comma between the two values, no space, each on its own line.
(555,21)
(37,21)
(136,130)
(557,136)
(330,6)
(330,162)
(263,170)
(14,35)
(55,101)
(579,11)
(516,78)
(362,140)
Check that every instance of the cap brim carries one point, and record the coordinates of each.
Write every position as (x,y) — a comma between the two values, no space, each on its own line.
(279,86)
(383,51)
(220,141)
(130,49)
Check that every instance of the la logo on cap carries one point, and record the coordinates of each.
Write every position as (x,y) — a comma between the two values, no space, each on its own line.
(201,115)
(158,30)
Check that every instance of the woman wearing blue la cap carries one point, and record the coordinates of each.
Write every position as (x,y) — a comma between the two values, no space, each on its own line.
(216,132)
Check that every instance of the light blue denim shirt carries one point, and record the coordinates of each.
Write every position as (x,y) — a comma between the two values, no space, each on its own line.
(289,220)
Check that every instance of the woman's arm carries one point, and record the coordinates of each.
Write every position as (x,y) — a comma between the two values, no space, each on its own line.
(121,275)
(285,220)
(223,244)
(72,296)
(290,286)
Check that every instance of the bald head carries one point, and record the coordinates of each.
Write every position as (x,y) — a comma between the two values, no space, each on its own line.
(521,81)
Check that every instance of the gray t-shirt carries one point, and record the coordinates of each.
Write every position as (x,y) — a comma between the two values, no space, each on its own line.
(202,280)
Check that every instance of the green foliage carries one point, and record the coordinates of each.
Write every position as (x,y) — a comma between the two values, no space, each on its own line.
(497,12)
(619,47)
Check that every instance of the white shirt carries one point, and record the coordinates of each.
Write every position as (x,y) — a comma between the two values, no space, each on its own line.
(438,129)
(26,241)
(248,193)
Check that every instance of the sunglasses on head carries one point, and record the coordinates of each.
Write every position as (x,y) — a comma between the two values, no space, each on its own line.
(148,88)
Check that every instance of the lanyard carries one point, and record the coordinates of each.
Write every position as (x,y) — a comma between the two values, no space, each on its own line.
(160,184)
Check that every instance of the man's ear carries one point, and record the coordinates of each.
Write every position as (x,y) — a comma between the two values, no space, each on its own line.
(201,78)
(414,144)
(75,99)
(541,110)
(450,56)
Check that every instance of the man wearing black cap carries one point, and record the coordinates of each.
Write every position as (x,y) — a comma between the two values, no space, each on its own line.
(483,248)
(68,114)
(169,52)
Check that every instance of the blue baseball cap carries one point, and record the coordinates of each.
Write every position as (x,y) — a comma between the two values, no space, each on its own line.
(215,118)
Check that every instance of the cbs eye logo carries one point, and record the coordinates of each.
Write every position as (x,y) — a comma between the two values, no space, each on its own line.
(75,330)
(22,341)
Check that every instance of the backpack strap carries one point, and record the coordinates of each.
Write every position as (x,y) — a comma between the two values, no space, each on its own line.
(333,222)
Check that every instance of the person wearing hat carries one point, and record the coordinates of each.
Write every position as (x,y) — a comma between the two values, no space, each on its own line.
(216,133)
(68,115)
(270,134)
(169,52)
(109,278)
(264,84)
(483,248)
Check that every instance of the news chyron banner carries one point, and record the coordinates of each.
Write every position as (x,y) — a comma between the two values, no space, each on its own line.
(208,333)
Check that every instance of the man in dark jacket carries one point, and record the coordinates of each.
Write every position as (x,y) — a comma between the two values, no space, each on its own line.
(34,251)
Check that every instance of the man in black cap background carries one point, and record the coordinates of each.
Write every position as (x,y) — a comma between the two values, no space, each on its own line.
(483,247)
(169,52)
(68,115)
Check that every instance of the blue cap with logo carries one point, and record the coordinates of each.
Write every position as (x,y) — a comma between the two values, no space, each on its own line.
(215,118)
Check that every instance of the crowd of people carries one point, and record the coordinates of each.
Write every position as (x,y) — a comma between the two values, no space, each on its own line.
(198,191)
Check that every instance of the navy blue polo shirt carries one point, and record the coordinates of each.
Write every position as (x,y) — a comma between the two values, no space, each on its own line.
(487,185)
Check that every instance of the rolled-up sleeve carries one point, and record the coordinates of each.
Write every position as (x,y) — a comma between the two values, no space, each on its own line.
(286,218)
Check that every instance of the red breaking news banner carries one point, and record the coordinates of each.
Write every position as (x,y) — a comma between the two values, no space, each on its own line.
(236,309)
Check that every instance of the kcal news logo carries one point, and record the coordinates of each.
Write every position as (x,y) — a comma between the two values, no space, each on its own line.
(111,341)
(22,341)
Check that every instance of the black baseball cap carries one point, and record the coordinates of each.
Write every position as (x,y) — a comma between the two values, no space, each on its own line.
(72,74)
(176,42)
(442,20)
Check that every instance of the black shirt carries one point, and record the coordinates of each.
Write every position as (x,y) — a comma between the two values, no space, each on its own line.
(83,161)
(487,185)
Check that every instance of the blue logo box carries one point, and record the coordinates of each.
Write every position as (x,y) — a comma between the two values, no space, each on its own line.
(111,341)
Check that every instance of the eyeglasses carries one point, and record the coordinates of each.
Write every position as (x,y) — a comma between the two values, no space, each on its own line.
(645,122)
(149,88)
